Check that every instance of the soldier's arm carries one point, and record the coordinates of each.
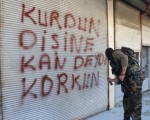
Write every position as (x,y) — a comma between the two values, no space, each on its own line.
(124,63)
(113,79)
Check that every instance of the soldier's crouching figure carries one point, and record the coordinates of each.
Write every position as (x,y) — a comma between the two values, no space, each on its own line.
(127,73)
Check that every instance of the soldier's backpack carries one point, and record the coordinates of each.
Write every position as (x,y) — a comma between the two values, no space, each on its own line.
(116,67)
(130,53)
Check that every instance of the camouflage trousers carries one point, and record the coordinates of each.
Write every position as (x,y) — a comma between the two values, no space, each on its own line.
(133,108)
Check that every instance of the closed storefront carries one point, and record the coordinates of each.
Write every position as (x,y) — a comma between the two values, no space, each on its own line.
(145,66)
(127,26)
(145,54)
(53,65)
(127,32)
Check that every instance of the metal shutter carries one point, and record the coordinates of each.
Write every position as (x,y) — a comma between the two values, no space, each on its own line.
(127,26)
(145,67)
(145,31)
(52,59)
(127,32)
(145,58)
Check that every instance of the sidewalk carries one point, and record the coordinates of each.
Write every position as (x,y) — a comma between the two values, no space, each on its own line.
(116,113)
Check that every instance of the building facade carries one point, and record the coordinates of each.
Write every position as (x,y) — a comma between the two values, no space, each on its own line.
(52,55)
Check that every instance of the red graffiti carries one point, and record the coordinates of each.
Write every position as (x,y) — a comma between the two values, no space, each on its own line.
(55,38)
(70,43)
(73,43)
(94,77)
(78,62)
(75,81)
(26,64)
(89,61)
(43,42)
(27,14)
(58,37)
(65,42)
(92,27)
(27,33)
(62,80)
(28,91)
(54,18)
(43,62)
(40,21)
(89,44)
(66,24)
(62,83)
(85,85)
(57,62)
(84,27)
(44,79)
(100,59)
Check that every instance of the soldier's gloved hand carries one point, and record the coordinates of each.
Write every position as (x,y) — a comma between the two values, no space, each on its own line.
(121,77)
(112,80)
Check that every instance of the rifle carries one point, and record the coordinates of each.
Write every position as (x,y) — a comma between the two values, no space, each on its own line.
(116,68)
(127,90)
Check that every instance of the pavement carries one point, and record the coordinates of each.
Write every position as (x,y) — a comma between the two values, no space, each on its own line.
(116,113)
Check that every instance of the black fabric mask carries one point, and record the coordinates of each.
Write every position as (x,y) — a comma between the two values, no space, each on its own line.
(108,53)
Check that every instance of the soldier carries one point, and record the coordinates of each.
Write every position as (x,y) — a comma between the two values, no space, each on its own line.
(127,74)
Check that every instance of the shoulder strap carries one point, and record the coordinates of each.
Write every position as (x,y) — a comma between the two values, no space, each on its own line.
(113,61)
(127,51)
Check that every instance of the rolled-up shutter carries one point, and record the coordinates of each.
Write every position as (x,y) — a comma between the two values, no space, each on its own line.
(145,55)
(127,26)
(52,59)
(127,31)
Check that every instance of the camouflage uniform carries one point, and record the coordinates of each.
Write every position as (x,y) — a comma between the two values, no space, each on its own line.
(133,80)
(133,108)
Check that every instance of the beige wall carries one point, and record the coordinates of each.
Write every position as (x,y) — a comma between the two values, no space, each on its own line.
(145,31)
(127,26)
